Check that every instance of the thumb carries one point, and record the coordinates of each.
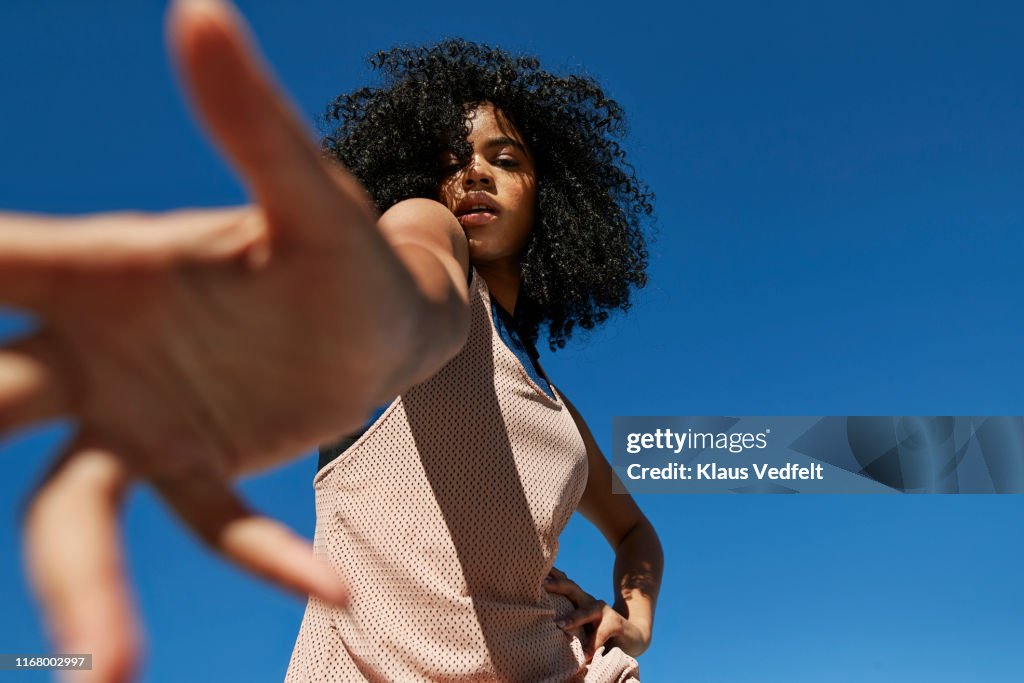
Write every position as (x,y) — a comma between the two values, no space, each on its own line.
(250,119)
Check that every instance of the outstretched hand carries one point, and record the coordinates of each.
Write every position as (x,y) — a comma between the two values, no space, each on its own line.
(197,345)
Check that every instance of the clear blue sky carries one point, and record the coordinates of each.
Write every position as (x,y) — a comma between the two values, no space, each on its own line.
(840,224)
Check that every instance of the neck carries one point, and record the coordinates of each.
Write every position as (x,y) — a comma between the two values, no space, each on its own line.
(503,283)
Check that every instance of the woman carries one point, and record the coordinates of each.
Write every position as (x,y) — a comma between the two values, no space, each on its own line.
(268,297)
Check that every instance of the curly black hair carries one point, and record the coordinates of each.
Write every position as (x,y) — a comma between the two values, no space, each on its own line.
(587,247)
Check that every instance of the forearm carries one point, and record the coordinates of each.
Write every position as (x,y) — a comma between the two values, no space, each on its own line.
(639,562)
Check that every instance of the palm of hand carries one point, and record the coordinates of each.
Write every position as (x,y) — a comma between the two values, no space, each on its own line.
(192,363)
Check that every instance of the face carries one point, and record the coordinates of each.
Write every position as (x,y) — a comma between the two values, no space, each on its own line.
(493,195)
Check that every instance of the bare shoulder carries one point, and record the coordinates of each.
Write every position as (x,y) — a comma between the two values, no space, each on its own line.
(419,215)
(426,222)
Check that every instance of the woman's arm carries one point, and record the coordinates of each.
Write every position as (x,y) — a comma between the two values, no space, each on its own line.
(638,555)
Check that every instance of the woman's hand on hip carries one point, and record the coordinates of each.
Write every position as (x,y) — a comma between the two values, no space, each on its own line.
(602,624)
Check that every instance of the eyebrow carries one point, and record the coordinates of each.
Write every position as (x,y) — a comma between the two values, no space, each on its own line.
(504,140)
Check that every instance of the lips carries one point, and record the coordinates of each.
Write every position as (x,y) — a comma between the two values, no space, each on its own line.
(476,208)
(477,218)
(476,203)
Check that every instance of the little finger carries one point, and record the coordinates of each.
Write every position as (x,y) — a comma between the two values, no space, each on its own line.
(267,548)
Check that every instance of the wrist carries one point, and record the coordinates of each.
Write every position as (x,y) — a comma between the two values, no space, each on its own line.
(643,635)
(638,631)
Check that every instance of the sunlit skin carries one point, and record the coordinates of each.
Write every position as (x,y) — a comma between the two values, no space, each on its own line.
(502,170)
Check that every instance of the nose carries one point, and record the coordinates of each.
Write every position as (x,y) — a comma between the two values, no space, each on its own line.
(477,173)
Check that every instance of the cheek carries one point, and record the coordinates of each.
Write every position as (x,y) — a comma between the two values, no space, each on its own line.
(528,210)
(445,194)
(520,232)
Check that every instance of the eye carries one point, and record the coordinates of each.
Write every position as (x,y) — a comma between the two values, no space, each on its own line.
(507,162)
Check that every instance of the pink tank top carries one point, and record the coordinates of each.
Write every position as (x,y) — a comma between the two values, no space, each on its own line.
(444,518)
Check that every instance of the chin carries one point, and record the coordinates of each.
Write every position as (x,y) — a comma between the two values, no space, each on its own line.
(482,260)
(488,252)
(480,251)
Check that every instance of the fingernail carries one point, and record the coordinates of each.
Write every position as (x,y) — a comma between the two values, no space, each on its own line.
(202,7)
(560,623)
(190,4)
(198,3)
